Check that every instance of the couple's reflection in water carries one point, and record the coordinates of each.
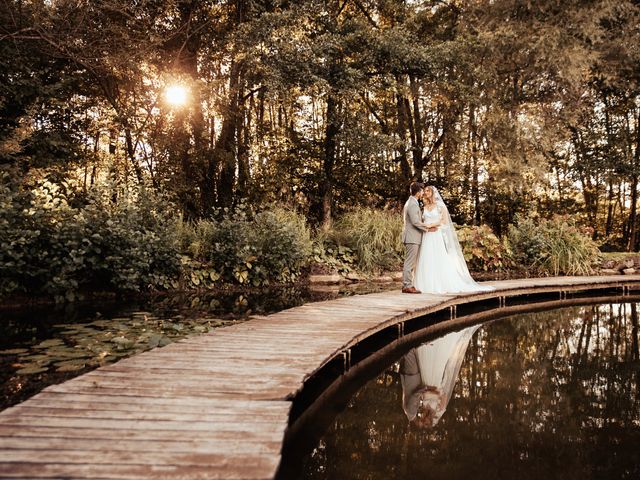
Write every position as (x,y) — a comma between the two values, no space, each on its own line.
(428,374)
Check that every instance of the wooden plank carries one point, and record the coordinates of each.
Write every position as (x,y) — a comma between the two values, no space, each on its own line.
(269,430)
(181,404)
(89,411)
(95,471)
(80,387)
(233,446)
(90,433)
(274,391)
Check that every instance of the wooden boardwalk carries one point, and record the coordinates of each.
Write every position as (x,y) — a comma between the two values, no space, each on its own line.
(216,406)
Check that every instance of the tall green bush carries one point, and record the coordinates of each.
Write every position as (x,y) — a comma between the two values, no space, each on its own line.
(272,245)
(374,235)
(553,246)
(57,242)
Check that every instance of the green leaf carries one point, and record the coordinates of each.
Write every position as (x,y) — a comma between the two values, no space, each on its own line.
(31,369)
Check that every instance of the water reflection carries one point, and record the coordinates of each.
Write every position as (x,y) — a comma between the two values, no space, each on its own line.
(428,374)
(542,395)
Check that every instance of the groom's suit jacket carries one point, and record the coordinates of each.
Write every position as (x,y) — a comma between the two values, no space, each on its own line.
(412,231)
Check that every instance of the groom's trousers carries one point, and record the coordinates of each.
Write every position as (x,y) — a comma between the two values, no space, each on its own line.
(410,259)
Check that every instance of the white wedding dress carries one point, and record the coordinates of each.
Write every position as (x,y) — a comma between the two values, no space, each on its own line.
(441,267)
(435,364)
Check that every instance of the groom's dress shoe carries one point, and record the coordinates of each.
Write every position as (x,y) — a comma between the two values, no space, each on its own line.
(410,290)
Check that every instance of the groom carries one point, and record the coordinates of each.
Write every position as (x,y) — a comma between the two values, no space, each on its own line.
(412,235)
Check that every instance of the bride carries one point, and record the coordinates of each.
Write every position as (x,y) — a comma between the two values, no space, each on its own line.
(441,266)
(428,375)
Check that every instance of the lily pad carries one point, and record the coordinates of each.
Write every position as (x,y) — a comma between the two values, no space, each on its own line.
(14,351)
(154,340)
(63,350)
(70,366)
(108,359)
(123,342)
(101,323)
(52,342)
(44,362)
(31,369)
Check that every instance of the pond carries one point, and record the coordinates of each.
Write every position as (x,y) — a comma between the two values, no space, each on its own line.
(541,395)
(40,346)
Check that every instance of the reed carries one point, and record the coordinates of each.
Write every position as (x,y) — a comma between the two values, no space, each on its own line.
(553,246)
(374,235)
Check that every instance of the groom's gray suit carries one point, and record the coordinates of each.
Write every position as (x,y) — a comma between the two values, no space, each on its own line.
(411,237)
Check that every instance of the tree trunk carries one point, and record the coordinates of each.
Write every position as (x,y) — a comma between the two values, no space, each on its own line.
(225,152)
(244,140)
(401,131)
(416,128)
(610,210)
(589,192)
(633,220)
(475,190)
(131,154)
(330,151)
(633,215)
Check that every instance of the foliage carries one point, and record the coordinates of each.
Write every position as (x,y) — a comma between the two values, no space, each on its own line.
(482,250)
(373,235)
(273,246)
(57,242)
(337,258)
(553,246)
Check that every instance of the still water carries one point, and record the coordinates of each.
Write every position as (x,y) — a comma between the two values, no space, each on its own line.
(541,395)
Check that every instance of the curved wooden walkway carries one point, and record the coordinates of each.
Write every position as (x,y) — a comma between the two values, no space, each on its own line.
(216,406)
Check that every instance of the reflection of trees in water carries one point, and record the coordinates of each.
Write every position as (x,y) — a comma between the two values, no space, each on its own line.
(546,394)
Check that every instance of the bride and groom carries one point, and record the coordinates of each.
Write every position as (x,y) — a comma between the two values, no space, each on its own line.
(434,262)
(428,375)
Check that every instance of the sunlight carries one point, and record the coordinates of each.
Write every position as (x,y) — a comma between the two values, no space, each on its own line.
(176,95)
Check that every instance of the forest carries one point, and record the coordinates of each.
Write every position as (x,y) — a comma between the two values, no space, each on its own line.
(513,109)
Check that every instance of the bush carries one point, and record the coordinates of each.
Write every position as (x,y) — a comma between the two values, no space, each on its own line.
(55,242)
(553,246)
(374,235)
(273,246)
(336,258)
(482,250)
(284,243)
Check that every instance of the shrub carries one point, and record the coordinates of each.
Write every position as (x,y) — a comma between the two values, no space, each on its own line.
(284,243)
(338,258)
(553,246)
(482,250)
(273,246)
(56,243)
(374,235)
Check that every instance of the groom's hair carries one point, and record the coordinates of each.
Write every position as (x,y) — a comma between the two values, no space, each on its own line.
(415,187)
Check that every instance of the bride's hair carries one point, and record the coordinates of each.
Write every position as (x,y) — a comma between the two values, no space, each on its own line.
(432,199)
